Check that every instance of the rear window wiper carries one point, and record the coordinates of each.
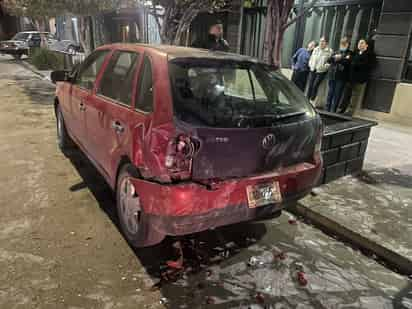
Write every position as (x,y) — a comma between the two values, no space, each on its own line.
(272,116)
(290,115)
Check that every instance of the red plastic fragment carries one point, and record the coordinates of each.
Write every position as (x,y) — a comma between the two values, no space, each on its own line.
(292,222)
(210,300)
(302,278)
(175,264)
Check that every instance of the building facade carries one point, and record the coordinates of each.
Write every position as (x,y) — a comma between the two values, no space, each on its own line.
(389,94)
(388,23)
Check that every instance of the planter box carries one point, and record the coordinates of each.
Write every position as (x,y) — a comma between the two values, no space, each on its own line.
(344,145)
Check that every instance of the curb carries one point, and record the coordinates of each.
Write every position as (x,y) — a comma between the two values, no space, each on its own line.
(398,262)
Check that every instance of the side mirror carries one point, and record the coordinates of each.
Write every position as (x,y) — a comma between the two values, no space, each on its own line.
(59,76)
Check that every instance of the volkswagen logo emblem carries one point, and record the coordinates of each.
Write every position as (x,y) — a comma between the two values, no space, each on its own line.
(269,141)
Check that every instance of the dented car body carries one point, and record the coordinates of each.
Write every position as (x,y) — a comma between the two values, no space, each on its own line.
(189,139)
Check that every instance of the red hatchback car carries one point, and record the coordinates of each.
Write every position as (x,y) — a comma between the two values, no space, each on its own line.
(187,138)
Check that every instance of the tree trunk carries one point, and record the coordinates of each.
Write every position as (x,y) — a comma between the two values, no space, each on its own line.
(276,24)
(84,34)
(184,25)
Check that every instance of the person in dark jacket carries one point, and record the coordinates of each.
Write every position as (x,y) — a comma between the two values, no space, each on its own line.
(300,65)
(339,72)
(363,61)
(214,40)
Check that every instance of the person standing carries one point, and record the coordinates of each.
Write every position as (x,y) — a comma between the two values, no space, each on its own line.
(339,73)
(318,67)
(300,65)
(363,61)
(214,40)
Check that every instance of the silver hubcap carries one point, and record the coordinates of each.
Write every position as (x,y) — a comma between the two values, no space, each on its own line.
(129,206)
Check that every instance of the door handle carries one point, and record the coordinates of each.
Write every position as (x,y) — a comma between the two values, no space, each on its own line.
(117,127)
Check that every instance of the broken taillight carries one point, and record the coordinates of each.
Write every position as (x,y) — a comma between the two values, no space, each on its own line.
(180,156)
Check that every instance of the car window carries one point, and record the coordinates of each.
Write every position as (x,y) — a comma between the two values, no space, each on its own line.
(144,96)
(227,93)
(242,83)
(117,80)
(21,36)
(35,36)
(90,68)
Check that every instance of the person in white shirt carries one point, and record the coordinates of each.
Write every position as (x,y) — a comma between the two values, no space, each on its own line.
(319,67)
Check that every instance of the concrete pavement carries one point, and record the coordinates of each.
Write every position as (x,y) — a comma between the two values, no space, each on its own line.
(373,211)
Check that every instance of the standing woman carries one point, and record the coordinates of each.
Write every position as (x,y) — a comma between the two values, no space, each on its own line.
(363,62)
(319,66)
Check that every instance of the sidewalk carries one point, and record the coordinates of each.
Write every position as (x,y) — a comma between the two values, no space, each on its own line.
(45,75)
(373,211)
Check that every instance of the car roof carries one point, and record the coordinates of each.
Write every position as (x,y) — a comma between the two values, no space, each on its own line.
(185,52)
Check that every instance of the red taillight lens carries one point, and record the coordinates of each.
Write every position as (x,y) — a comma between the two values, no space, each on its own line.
(180,156)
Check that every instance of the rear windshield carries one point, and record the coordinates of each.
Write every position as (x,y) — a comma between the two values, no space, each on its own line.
(222,93)
(22,36)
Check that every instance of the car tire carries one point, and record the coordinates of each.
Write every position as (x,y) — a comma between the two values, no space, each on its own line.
(134,223)
(64,141)
(71,49)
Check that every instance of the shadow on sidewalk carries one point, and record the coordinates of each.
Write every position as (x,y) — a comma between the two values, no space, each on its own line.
(391,176)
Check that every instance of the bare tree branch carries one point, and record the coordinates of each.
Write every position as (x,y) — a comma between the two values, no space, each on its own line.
(301,14)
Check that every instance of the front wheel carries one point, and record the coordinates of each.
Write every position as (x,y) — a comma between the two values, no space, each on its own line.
(133,222)
(63,139)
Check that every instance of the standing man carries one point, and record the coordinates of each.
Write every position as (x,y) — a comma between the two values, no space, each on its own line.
(300,65)
(319,66)
(339,73)
(214,40)
(363,62)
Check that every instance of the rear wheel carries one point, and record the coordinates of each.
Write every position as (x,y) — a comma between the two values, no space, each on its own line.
(63,139)
(133,222)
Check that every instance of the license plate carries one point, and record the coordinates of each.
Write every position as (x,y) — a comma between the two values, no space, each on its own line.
(263,194)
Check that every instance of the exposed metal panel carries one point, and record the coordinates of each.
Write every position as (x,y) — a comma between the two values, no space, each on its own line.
(388,68)
(379,95)
(395,23)
(397,6)
(391,46)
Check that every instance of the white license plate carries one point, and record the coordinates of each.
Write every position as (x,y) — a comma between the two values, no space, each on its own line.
(263,194)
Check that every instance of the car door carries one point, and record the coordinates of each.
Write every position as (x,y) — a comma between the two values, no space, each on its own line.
(81,92)
(110,115)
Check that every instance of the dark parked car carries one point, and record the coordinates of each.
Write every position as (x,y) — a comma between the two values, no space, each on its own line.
(20,44)
(189,139)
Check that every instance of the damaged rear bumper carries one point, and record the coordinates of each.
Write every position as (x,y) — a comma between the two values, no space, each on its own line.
(184,225)
(187,208)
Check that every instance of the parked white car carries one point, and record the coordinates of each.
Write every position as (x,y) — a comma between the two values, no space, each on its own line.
(20,44)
